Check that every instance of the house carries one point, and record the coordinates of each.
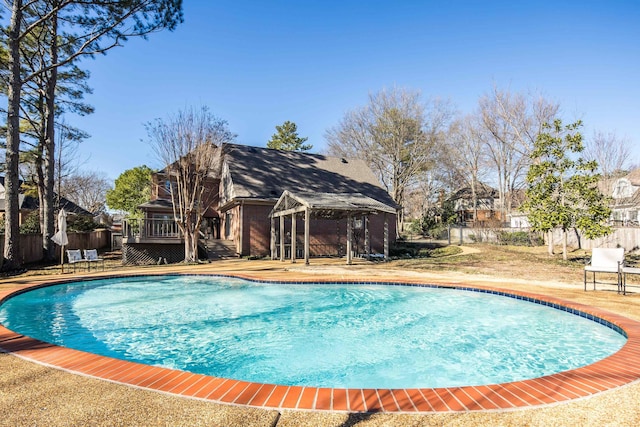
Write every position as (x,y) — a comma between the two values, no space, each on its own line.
(483,212)
(626,199)
(266,202)
(29,204)
(519,219)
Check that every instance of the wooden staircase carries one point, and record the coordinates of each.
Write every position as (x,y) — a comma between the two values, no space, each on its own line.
(219,249)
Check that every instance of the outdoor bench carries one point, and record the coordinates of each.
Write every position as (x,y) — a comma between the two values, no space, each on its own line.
(605,260)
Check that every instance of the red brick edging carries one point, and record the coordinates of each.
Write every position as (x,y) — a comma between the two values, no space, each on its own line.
(621,368)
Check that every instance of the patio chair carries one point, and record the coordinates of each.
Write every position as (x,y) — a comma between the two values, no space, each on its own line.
(91,256)
(605,260)
(624,270)
(74,256)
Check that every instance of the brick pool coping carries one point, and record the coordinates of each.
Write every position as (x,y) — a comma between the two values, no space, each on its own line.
(618,369)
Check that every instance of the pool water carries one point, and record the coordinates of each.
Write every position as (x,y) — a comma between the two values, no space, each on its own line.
(322,335)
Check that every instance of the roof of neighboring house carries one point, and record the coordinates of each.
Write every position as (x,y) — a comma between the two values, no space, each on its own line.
(28,202)
(483,191)
(264,173)
(634,177)
(71,207)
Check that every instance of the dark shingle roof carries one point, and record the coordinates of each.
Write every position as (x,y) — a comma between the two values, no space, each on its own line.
(264,173)
(157,203)
(483,191)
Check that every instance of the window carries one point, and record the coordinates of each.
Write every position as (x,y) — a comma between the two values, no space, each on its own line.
(622,189)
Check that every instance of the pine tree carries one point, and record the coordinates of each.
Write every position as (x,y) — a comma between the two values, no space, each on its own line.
(95,27)
(286,138)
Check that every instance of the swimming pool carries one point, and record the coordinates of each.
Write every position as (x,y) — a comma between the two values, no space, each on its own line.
(322,335)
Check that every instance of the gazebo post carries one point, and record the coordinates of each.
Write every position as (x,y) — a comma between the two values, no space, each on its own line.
(307,220)
(386,237)
(349,233)
(367,238)
(272,244)
(293,237)
(282,238)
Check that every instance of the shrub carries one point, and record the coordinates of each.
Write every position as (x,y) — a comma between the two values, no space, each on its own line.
(31,223)
(476,238)
(519,238)
(81,223)
(421,250)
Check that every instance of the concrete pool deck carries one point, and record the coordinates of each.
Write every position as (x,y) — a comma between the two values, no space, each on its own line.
(580,397)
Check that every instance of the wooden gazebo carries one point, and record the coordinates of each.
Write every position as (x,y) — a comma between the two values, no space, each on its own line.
(337,206)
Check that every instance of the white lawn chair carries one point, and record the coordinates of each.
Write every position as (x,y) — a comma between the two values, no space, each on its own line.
(91,256)
(605,260)
(74,256)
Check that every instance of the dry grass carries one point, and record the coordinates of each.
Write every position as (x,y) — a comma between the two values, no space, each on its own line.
(519,262)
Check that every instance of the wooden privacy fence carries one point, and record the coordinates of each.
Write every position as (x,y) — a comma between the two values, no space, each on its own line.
(622,237)
(31,244)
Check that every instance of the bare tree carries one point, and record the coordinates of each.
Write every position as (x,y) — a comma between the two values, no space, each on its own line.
(395,133)
(189,144)
(68,161)
(86,189)
(512,122)
(612,153)
(466,156)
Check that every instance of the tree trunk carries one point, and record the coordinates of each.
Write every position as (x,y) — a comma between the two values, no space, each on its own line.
(190,247)
(474,200)
(12,182)
(550,242)
(190,240)
(578,238)
(49,159)
(564,244)
(38,163)
(398,197)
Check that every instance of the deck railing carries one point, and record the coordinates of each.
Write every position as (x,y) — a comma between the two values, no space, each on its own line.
(150,228)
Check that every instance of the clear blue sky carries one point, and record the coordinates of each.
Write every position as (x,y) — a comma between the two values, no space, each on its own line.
(257,64)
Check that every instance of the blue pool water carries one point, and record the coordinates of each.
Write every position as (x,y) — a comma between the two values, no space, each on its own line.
(352,336)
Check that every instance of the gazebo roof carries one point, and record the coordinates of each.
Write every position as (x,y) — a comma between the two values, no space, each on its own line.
(328,205)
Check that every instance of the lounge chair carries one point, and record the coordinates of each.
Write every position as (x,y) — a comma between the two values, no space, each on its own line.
(74,257)
(624,270)
(90,256)
(605,260)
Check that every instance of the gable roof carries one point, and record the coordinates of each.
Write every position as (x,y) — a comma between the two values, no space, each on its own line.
(264,173)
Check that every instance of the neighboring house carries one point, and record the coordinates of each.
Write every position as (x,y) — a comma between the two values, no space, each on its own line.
(626,199)
(29,204)
(255,197)
(486,210)
(519,220)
